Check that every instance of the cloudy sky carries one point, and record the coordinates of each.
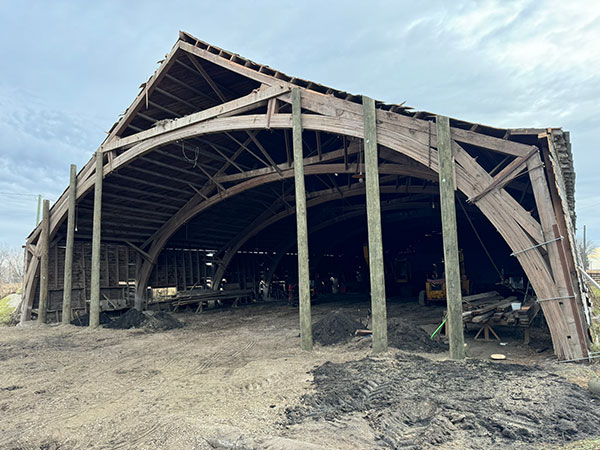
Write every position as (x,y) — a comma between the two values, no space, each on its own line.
(70,68)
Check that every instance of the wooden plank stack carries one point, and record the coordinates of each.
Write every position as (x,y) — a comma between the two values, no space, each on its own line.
(496,309)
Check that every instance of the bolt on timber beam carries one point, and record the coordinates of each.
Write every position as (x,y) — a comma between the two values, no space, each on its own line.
(450,238)
(306,341)
(376,268)
(97,223)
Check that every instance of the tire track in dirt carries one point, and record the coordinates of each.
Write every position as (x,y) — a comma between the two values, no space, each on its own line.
(138,438)
(119,386)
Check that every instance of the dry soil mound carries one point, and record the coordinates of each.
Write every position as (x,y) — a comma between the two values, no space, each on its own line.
(406,336)
(161,321)
(133,318)
(334,328)
(414,403)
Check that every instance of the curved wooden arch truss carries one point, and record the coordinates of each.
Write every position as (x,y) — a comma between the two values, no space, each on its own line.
(407,148)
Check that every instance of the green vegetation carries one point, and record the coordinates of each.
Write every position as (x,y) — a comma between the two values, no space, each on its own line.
(5,310)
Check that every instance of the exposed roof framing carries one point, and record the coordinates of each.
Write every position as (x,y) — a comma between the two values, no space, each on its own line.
(203,157)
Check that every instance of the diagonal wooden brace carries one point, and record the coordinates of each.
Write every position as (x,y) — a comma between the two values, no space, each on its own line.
(506,175)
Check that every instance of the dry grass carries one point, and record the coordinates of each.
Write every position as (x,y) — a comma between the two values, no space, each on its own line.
(9,288)
(596,322)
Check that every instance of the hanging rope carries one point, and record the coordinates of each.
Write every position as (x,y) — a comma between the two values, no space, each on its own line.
(480,240)
(194,160)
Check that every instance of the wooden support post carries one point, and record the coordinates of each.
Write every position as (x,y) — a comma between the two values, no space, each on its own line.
(39,206)
(44,250)
(139,296)
(184,270)
(68,277)
(301,226)
(376,268)
(97,224)
(450,238)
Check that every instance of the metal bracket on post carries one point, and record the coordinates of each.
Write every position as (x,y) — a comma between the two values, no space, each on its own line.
(554,298)
(560,238)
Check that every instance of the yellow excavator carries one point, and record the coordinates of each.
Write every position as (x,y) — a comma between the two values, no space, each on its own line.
(435,287)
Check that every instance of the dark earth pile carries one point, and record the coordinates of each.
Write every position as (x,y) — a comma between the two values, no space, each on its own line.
(161,321)
(83,320)
(414,403)
(406,336)
(133,318)
(334,328)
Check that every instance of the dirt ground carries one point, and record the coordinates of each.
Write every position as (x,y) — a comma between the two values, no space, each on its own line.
(230,379)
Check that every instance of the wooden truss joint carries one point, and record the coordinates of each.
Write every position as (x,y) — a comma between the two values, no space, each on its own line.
(506,175)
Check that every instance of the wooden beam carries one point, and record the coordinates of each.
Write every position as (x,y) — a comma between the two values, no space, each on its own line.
(155,175)
(415,129)
(506,175)
(230,65)
(189,173)
(44,247)
(207,78)
(152,184)
(271,106)
(68,277)
(167,197)
(137,201)
(450,238)
(306,341)
(558,265)
(234,106)
(96,242)
(143,95)
(264,152)
(244,145)
(325,157)
(145,255)
(376,267)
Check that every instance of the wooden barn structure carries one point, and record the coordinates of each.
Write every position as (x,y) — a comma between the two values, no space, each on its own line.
(226,168)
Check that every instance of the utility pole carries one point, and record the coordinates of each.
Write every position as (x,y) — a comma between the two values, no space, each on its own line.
(585,254)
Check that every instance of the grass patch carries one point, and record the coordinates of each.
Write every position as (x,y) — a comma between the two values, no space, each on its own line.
(5,310)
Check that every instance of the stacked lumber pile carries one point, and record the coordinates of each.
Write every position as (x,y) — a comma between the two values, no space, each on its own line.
(208,297)
(496,309)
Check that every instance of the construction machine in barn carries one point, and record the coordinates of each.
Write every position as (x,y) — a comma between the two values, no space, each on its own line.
(435,286)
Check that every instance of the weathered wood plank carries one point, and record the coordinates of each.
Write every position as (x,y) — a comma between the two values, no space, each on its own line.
(44,254)
(68,277)
(376,268)
(238,105)
(506,175)
(450,238)
(306,341)
(96,242)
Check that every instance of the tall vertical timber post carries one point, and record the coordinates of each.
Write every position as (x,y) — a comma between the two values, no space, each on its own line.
(44,250)
(68,278)
(376,266)
(95,278)
(450,238)
(302,229)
